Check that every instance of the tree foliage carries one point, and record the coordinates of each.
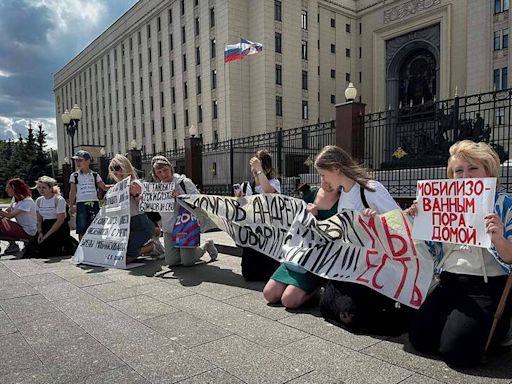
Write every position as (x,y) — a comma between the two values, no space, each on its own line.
(28,158)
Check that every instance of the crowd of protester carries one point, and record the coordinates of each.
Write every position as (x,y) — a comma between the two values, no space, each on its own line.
(453,322)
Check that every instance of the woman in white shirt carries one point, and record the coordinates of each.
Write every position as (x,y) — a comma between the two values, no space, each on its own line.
(22,210)
(255,265)
(456,317)
(52,226)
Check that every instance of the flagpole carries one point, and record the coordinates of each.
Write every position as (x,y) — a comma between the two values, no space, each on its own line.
(226,74)
(241,94)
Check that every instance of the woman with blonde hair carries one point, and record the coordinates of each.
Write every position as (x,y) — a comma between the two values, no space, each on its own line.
(163,172)
(52,227)
(353,306)
(456,317)
(141,228)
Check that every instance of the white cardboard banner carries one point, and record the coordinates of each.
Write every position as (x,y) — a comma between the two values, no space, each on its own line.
(157,197)
(377,252)
(453,210)
(105,242)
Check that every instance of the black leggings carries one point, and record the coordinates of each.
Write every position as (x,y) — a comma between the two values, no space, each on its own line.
(456,318)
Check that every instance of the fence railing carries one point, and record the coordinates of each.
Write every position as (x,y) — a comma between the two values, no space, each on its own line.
(411,143)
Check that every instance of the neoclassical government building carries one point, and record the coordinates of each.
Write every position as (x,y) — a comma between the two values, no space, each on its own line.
(160,67)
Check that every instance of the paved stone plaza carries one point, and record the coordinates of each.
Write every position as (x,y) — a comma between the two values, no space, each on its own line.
(60,323)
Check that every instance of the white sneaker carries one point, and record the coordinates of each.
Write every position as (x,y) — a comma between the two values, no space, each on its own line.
(159,249)
(12,248)
(209,246)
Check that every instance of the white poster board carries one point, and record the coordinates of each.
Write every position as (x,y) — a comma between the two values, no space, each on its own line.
(157,197)
(453,210)
(105,242)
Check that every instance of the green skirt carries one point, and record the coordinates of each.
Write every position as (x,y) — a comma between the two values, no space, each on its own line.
(308,281)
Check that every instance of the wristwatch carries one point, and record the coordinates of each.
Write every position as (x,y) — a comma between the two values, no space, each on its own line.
(259,173)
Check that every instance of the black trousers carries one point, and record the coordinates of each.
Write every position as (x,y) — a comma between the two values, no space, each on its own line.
(360,309)
(257,266)
(456,318)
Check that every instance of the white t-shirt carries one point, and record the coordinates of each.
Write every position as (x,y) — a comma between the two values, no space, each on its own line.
(273,182)
(86,188)
(49,208)
(468,260)
(169,218)
(27,218)
(380,200)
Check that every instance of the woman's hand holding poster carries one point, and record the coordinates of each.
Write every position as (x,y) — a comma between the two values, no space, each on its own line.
(453,210)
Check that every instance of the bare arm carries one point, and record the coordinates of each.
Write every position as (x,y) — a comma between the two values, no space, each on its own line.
(494,226)
(259,174)
(10,213)
(72,197)
(104,186)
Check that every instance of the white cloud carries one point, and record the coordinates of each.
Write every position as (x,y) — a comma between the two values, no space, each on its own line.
(4,73)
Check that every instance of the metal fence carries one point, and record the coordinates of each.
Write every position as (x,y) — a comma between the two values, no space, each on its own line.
(411,143)
(292,150)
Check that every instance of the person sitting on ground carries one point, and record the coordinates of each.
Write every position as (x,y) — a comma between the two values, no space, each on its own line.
(456,317)
(84,193)
(23,210)
(141,228)
(154,247)
(163,171)
(353,306)
(255,265)
(290,284)
(52,224)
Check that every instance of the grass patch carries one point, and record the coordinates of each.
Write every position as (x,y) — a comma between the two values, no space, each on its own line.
(5,200)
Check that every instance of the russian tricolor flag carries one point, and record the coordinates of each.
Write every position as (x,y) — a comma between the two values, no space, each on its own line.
(238,51)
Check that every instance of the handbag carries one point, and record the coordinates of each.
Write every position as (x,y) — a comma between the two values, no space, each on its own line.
(186,231)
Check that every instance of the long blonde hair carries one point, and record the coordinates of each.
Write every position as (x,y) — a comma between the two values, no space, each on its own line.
(471,152)
(126,167)
(333,158)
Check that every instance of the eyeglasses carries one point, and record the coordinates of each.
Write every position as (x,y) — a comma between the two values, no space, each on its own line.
(116,168)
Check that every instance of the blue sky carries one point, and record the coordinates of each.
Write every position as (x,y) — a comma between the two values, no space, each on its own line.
(37,38)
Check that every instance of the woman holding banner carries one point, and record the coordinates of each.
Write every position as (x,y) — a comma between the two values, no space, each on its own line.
(351,305)
(141,228)
(255,265)
(290,284)
(456,317)
(163,172)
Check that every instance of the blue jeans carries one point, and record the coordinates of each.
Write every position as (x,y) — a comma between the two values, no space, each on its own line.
(85,213)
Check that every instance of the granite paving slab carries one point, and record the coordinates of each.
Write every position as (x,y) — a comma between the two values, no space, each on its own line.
(247,360)
(314,378)
(186,329)
(121,375)
(16,355)
(255,303)
(216,376)
(37,375)
(399,352)
(17,288)
(23,267)
(319,327)
(6,325)
(342,363)
(142,307)
(27,308)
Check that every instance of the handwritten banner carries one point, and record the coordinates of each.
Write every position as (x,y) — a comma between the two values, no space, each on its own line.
(157,197)
(453,210)
(104,244)
(377,252)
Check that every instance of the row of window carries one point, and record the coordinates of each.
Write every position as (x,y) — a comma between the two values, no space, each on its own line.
(278,16)
(279,108)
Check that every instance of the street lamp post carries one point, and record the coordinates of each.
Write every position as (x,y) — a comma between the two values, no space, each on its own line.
(70,119)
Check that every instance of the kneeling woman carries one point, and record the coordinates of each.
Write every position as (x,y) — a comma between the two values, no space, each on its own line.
(52,226)
(22,210)
(290,284)
(456,318)
(141,228)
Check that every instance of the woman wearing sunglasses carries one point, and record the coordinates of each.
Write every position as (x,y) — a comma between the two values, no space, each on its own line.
(141,228)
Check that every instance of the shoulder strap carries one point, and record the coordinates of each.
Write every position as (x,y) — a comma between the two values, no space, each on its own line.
(75,174)
(95,176)
(37,202)
(182,185)
(363,197)
(244,187)
(253,187)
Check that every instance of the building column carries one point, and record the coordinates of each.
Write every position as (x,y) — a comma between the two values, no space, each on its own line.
(135,157)
(350,128)
(194,160)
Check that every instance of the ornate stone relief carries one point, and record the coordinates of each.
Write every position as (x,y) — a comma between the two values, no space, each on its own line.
(408,8)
